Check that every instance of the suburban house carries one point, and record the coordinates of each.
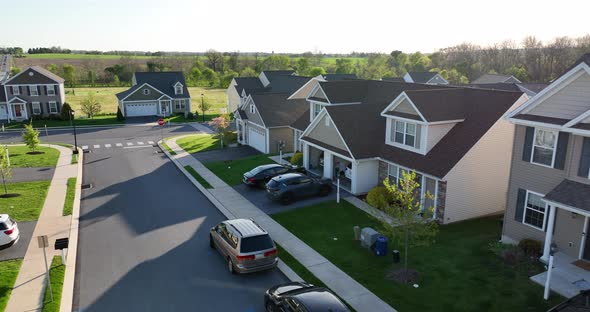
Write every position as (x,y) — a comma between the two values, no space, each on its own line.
(364,131)
(240,87)
(549,190)
(495,78)
(155,94)
(34,92)
(425,77)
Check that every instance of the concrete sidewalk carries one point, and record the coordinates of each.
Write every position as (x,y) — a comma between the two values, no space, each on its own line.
(234,205)
(30,284)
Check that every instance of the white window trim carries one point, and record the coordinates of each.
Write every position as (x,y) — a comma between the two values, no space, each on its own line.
(422,184)
(50,88)
(554,147)
(17,89)
(252,109)
(526,200)
(31,88)
(178,89)
(38,104)
(314,109)
(146,91)
(52,105)
(393,131)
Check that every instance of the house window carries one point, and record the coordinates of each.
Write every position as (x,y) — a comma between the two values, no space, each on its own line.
(179,104)
(544,144)
(53,107)
(392,174)
(316,109)
(33,91)
(36,108)
(534,210)
(178,89)
(404,133)
(146,91)
(51,90)
(252,109)
(15,90)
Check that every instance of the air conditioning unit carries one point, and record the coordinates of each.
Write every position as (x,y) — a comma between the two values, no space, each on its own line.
(368,237)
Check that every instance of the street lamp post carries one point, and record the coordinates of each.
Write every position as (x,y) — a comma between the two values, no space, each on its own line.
(203,106)
(72,112)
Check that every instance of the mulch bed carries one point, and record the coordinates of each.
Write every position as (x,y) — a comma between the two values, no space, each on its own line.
(9,195)
(403,276)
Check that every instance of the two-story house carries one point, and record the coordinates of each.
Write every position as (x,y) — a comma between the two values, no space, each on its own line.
(455,139)
(155,94)
(34,91)
(240,87)
(549,193)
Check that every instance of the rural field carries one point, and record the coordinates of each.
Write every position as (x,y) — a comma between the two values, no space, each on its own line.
(108,100)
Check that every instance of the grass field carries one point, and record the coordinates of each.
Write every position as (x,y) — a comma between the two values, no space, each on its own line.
(232,172)
(56,275)
(8,272)
(70,193)
(108,100)
(28,205)
(458,272)
(19,157)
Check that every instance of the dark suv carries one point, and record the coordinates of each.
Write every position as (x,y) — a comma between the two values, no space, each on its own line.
(302,297)
(260,175)
(288,187)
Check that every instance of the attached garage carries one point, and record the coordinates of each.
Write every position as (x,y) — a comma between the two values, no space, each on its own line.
(257,138)
(141,109)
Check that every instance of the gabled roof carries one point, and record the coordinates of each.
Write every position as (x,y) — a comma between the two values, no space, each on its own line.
(22,78)
(572,194)
(439,104)
(422,77)
(287,83)
(494,78)
(585,58)
(345,91)
(272,74)
(531,89)
(302,122)
(276,110)
(335,77)
(248,83)
(162,81)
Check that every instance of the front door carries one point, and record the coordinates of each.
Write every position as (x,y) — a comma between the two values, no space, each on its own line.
(587,244)
(18,113)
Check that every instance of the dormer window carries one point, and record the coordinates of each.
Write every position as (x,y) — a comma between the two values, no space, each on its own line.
(252,109)
(178,88)
(146,91)
(405,133)
(316,109)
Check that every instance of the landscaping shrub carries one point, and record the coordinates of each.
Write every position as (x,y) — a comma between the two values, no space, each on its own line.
(190,115)
(377,197)
(530,247)
(196,114)
(66,111)
(120,116)
(297,159)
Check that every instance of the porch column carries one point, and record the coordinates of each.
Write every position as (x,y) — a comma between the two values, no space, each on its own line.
(583,241)
(306,156)
(549,234)
(328,165)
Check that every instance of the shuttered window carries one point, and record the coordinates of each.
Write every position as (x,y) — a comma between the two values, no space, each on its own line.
(534,210)
(544,146)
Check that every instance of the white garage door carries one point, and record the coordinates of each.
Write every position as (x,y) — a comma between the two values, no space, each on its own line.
(257,138)
(141,109)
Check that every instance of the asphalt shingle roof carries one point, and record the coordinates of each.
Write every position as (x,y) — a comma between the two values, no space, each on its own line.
(422,77)
(492,78)
(163,81)
(247,83)
(277,111)
(272,74)
(335,77)
(302,122)
(571,193)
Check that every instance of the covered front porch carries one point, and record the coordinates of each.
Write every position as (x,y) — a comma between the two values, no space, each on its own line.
(567,278)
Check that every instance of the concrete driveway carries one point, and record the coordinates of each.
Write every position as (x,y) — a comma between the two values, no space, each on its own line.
(230,153)
(19,249)
(257,197)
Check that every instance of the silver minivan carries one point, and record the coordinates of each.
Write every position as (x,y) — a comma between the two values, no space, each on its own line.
(245,246)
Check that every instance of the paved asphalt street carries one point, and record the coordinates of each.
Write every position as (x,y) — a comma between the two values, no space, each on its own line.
(143,243)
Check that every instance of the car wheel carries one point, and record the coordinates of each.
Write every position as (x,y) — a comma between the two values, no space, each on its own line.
(211,243)
(230,266)
(325,190)
(287,198)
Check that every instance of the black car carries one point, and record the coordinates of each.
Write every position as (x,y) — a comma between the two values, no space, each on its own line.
(302,297)
(260,175)
(288,187)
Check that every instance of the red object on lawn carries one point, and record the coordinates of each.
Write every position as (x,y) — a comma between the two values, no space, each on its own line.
(161,122)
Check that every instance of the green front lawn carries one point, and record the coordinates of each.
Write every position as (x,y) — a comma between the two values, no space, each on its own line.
(204,142)
(458,273)
(56,275)
(19,157)
(198,177)
(231,172)
(28,205)
(8,273)
(167,148)
(40,124)
(70,193)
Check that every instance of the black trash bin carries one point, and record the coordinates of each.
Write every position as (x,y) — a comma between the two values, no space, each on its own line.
(395,254)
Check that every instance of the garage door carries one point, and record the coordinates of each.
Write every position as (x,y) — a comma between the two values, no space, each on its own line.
(141,109)
(257,138)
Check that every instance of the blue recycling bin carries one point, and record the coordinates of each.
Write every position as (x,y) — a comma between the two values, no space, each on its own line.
(381,246)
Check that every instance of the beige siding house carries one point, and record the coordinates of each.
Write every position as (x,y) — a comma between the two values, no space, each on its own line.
(549,190)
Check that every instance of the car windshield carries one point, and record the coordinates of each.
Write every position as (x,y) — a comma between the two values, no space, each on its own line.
(273,183)
(256,243)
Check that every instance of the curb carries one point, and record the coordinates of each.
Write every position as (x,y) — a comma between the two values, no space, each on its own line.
(284,268)
(67,294)
(149,124)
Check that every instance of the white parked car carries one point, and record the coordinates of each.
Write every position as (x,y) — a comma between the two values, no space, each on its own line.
(9,233)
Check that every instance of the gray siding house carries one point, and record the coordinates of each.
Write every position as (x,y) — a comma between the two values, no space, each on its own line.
(549,190)
(155,94)
(34,92)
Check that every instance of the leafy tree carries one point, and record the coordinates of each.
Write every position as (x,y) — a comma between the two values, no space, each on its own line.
(31,137)
(220,124)
(452,76)
(204,106)
(90,105)
(303,66)
(5,170)
(419,62)
(248,72)
(53,68)
(227,77)
(316,71)
(518,71)
(210,76)
(196,74)
(413,226)
(344,66)
(214,60)
(69,74)
(276,62)
(14,71)
(66,111)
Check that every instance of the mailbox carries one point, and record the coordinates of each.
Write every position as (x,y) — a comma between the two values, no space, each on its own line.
(61,243)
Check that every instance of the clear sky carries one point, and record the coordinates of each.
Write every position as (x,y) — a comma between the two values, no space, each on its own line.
(284,26)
